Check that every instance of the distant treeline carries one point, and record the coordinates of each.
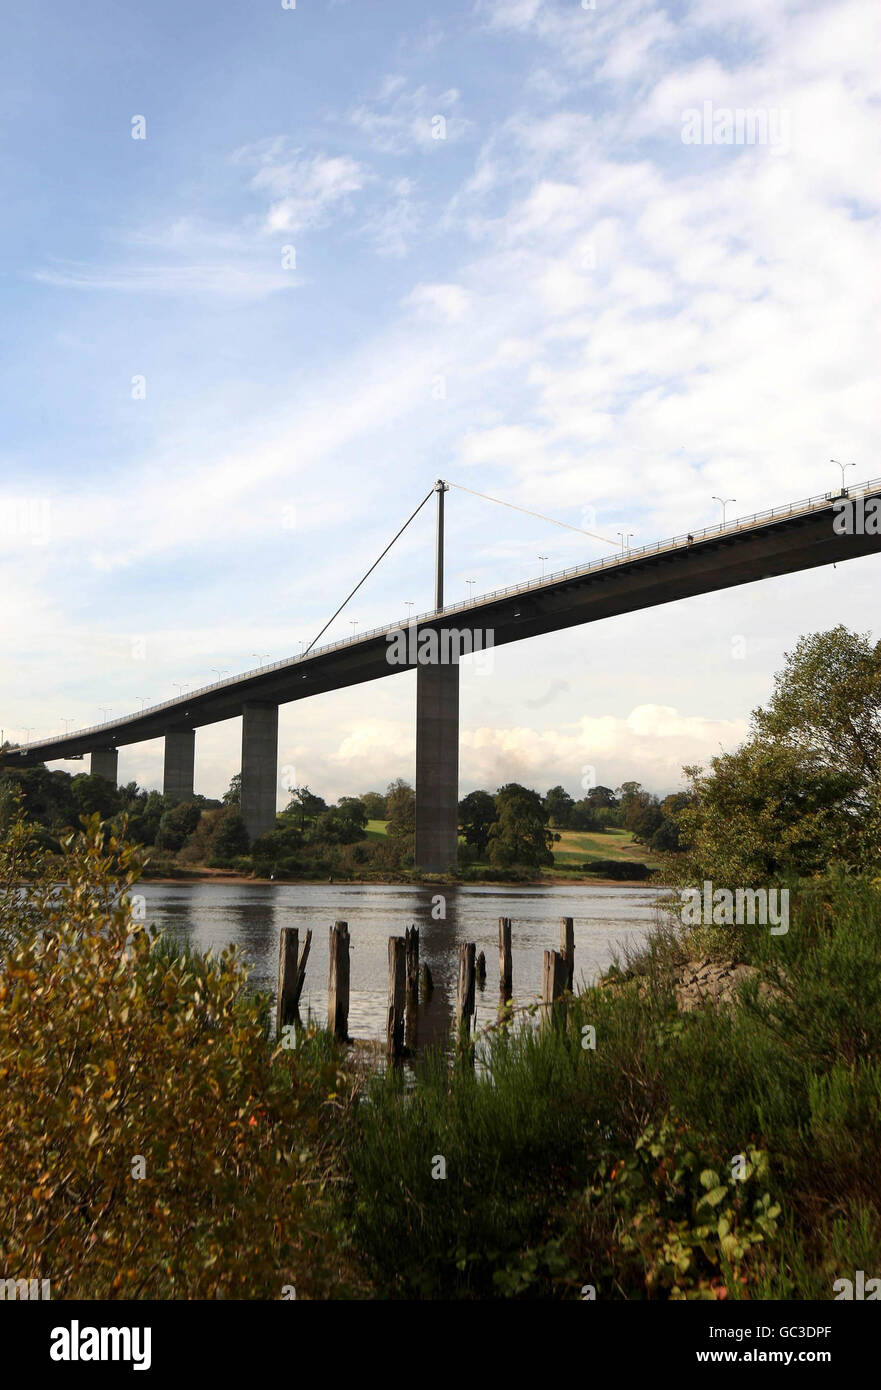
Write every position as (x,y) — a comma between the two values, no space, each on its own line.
(514,827)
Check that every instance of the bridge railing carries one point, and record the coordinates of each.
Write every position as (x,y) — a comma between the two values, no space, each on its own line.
(623,557)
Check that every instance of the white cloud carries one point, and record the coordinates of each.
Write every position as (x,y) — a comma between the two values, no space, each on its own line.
(444,301)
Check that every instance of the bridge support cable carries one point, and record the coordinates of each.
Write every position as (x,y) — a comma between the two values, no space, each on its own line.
(369,572)
(514,508)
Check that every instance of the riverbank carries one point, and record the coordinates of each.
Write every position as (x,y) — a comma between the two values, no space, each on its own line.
(230,876)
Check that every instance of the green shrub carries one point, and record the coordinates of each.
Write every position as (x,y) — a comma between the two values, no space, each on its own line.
(120,1056)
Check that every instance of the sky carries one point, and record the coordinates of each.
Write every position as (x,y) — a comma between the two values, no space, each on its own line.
(268,272)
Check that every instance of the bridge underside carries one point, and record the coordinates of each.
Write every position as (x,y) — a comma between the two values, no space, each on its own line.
(787,544)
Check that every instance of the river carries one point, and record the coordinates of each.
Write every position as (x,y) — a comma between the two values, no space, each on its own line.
(252,915)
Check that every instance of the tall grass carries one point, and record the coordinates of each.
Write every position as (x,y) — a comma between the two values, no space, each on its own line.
(568,1166)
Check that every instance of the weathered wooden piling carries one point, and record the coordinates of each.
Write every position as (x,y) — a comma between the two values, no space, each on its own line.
(427,983)
(397,990)
(553,985)
(338,982)
(411,942)
(301,968)
(465,990)
(285,1004)
(480,970)
(567,950)
(506,977)
(411,952)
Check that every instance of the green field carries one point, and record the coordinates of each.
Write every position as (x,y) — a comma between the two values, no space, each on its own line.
(574,846)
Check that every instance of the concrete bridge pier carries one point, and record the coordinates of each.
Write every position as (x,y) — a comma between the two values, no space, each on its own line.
(180,759)
(259,767)
(437,767)
(104,762)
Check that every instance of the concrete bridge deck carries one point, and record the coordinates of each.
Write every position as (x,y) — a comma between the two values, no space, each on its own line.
(784,540)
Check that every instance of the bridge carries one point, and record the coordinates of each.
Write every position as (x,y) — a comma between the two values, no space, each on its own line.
(784,540)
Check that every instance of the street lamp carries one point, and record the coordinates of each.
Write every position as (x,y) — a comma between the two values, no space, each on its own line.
(260,656)
(625,540)
(542,558)
(471,583)
(353,623)
(66,722)
(28,730)
(180,686)
(142,700)
(218,673)
(723,501)
(842,466)
(105,710)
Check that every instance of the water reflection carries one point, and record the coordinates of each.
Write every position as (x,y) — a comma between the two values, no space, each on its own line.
(252,915)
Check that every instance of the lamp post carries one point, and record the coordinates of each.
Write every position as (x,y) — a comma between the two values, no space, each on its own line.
(723,502)
(842,466)
(260,656)
(542,558)
(180,686)
(470,583)
(625,540)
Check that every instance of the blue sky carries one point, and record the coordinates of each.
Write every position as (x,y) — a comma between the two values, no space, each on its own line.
(366,245)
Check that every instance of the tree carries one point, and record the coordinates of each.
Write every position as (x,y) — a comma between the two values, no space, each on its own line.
(306,805)
(644,823)
(827,703)
(375,804)
(585,816)
(804,791)
(339,826)
(230,838)
(233,794)
(766,811)
(477,816)
(177,824)
(94,795)
(558,804)
(602,796)
(352,808)
(634,799)
(401,808)
(520,835)
(144,822)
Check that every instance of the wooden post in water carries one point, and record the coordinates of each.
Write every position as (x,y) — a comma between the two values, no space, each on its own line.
(397,989)
(506,978)
(553,984)
(338,982)
(480,970)
(465,991)
(286,1002)
(411,952)
(567,950)
(301,968)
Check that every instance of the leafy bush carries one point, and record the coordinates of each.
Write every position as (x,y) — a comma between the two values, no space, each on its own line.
(616,868)
(120,1057)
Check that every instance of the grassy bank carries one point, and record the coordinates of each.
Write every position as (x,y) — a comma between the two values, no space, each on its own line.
(617,1167)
